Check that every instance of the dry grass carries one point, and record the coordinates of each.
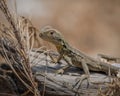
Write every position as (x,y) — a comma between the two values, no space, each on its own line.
(15,48)
(113,88)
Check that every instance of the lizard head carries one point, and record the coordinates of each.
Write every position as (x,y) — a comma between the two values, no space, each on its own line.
(52,35)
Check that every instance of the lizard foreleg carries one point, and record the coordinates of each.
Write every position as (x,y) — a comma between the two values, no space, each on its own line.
(68,61)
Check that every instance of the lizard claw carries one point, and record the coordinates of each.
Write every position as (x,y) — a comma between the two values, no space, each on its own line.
(59,71)
(53,62)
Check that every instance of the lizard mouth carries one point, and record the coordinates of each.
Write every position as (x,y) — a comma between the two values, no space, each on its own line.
(42,36)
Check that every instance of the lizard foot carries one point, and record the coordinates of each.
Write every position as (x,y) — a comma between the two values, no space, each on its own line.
(62,70)
(55,62)
(79,82)
(59,71)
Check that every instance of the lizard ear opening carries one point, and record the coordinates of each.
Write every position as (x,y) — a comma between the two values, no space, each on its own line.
(64,46)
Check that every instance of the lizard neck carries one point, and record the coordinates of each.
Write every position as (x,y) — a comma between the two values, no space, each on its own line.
(63,46)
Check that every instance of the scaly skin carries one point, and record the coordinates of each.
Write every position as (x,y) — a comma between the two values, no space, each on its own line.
(77,58)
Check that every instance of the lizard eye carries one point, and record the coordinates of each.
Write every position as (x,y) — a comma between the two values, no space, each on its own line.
(51,32)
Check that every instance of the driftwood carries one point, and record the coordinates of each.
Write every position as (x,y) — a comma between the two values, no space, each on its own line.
(51,84)
(62,85)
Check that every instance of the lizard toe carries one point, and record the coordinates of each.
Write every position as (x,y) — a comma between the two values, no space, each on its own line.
(59,71)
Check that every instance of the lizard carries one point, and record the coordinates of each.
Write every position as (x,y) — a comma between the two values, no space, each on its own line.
(77,58)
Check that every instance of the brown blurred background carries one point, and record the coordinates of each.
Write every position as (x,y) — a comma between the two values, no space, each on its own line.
(93,26)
